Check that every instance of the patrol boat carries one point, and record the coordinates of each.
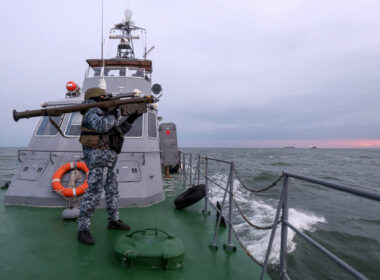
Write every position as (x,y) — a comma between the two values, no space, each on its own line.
(138,166)
(40,244)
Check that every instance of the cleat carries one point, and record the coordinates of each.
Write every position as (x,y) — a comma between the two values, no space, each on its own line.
(85,237)
(118,225)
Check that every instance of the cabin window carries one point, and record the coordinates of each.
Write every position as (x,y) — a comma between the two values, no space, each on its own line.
(114,72)
(94,72)
(75,122)
(46,128)
(118,72)
(137,72)
(137,128)
(152,125)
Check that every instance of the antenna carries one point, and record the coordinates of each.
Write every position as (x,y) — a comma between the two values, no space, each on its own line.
(147,52)
(102,82)
(102,32)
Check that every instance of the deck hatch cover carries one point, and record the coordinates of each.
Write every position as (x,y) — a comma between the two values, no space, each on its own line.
(150,249)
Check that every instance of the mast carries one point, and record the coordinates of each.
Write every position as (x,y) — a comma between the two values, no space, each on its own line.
(102,82)
(125,28)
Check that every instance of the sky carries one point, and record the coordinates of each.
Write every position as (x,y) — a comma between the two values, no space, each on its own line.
(235,73)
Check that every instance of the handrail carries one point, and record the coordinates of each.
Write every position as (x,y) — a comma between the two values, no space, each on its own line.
(351,190)
(281,214)
(283,206)
(337,260)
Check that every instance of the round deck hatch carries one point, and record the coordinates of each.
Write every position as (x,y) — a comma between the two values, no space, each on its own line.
(150,249)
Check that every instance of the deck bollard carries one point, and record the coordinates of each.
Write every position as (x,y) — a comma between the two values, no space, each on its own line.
(230,246)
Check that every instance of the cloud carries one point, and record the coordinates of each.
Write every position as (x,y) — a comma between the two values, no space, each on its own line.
(232,71)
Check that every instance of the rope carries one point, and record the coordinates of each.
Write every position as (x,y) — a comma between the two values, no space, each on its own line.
(245,249)
(258,190)
(273,268)
(249,222)
(73,178)
(70,199)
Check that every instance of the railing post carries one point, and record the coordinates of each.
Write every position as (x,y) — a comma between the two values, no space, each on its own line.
(284,230)
(276,219)
(197,171)
(230,246)
(191,168)
(213,244)
(205,211)
(184,167)
(180,161)
(199,167)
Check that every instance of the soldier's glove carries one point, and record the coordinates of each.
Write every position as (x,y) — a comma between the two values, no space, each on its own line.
(136,92)
(131,118)
(114,111)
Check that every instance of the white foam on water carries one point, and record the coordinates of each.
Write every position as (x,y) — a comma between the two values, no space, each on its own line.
(260,211)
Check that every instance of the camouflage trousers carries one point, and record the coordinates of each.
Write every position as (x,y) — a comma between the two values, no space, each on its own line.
(99,178)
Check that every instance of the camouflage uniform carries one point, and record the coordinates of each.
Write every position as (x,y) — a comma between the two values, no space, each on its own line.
(101,163)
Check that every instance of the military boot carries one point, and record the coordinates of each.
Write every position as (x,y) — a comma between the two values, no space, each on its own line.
(117,225)
(85,237)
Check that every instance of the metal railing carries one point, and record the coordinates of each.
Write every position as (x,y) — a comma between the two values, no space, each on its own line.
(187,167)
(283,206)
(282,209)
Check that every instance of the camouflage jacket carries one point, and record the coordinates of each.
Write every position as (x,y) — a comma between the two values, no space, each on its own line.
(96,119)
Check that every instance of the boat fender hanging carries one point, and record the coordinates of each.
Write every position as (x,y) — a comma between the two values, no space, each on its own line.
(70,213)
(69,192)
(190,196)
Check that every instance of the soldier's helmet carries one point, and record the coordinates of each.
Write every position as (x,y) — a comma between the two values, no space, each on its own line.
(94,92)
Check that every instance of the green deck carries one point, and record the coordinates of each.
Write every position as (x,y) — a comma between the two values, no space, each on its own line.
(36,243)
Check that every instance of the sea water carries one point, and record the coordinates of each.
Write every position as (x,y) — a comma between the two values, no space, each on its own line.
(349,226)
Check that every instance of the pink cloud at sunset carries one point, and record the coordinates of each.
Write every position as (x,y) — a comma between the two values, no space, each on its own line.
(337,143)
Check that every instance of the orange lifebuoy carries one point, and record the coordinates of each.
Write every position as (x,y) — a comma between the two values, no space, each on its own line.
(68,192)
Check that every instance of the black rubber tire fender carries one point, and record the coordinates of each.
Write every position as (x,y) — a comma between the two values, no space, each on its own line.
(190,196)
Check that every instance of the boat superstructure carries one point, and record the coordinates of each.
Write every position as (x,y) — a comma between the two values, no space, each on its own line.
(138,167)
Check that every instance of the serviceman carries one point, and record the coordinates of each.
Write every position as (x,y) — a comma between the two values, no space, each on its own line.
(99,129)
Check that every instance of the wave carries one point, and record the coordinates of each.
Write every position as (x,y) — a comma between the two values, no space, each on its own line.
(280,164)
(263,177)
(261,212)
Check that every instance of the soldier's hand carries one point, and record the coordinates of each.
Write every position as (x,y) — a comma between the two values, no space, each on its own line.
(131,118)
(115,112)
(136,92)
